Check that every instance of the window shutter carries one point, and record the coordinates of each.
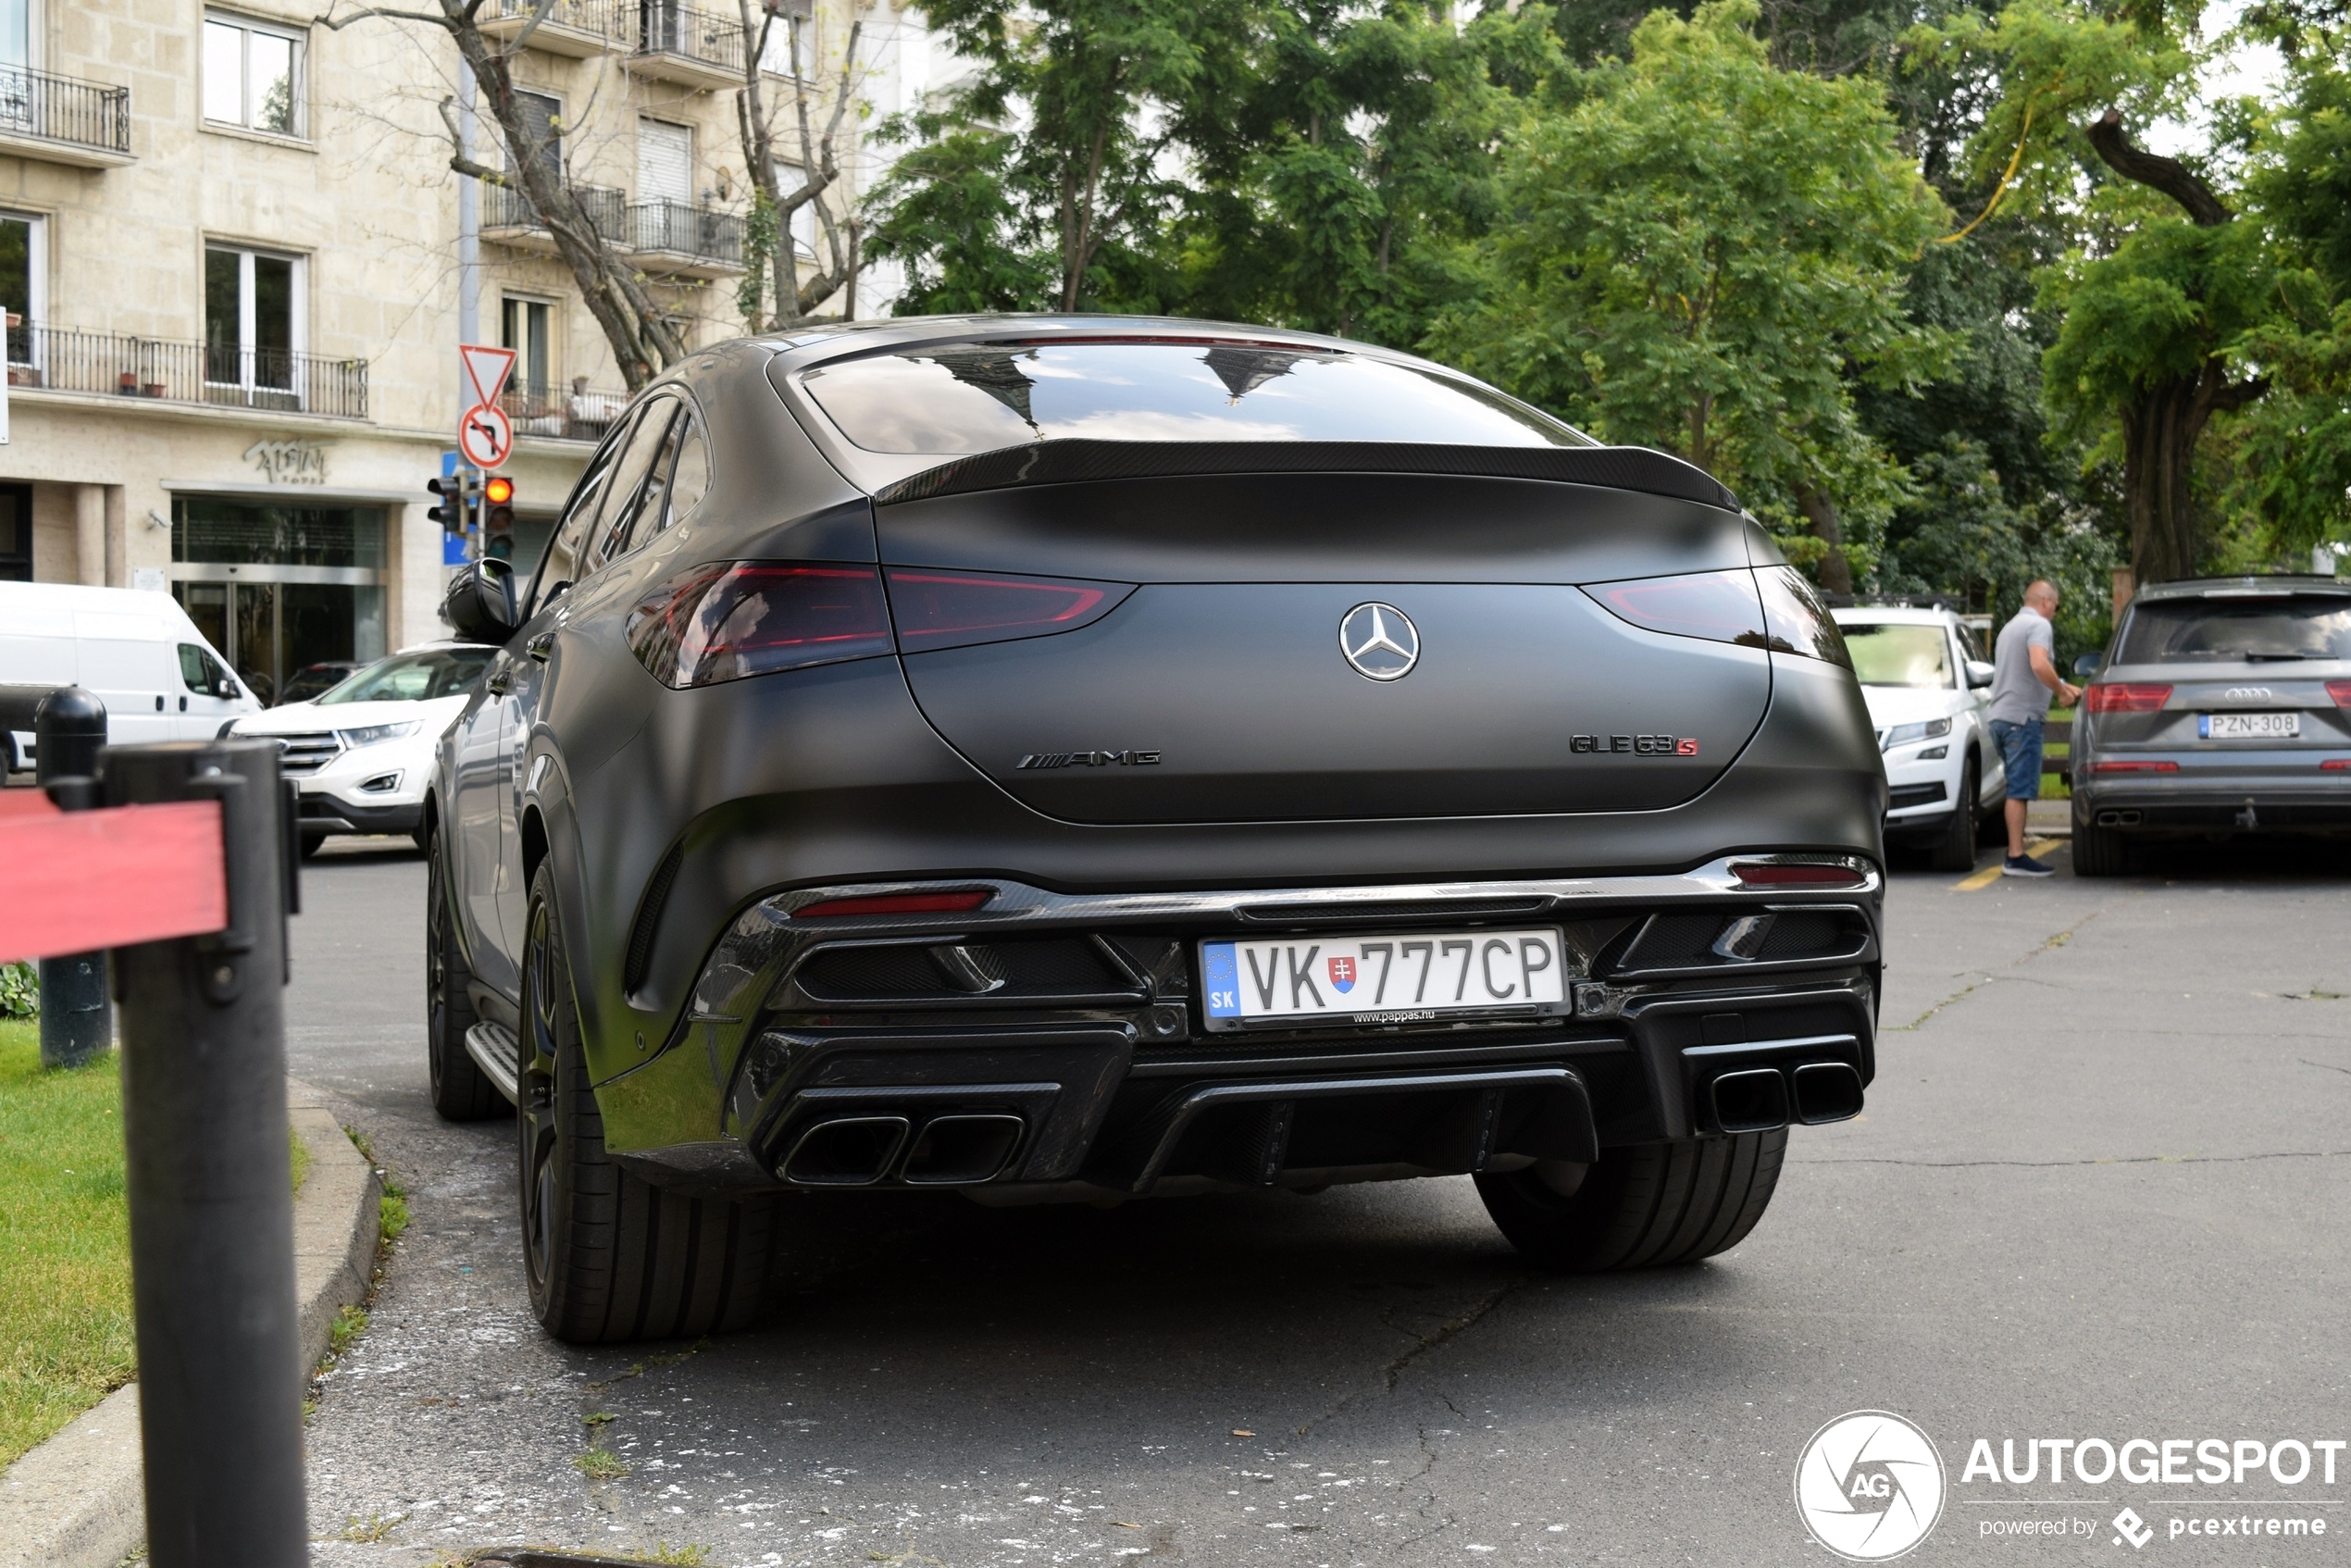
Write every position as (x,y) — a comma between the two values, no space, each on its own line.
(664,162)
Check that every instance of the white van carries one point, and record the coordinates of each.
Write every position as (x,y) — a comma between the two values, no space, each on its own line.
(138,652)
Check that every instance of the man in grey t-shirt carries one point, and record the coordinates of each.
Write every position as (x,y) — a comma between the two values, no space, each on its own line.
(2023,675)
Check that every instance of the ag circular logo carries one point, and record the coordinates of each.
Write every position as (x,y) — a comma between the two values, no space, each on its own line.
(1869,1485)
(1380,640)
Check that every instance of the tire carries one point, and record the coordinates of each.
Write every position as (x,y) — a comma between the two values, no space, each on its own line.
(1955,851)
(1649,1205)
(610,1257)
(2098,851)
(460,1091)
(311,844)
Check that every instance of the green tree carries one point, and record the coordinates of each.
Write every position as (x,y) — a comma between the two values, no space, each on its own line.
(1053,152)
(1702,255)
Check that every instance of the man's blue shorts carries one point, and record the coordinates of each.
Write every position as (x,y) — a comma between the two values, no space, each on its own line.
(2020,751)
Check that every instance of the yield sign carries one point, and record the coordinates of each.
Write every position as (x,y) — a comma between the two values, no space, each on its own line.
(487,368)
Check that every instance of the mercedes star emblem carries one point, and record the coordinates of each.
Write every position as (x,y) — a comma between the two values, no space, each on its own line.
(1379,640)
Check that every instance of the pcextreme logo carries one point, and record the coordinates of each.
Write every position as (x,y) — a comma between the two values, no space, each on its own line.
(1869,1485)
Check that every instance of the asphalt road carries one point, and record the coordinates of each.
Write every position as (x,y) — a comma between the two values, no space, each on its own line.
(2099,1192)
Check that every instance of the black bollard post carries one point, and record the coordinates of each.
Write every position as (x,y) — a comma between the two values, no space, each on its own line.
(76,1023)
(204,1090)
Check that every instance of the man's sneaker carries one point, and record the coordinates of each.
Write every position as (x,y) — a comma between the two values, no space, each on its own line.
(2025,865)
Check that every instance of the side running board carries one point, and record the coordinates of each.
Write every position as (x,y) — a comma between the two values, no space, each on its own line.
(494,1050)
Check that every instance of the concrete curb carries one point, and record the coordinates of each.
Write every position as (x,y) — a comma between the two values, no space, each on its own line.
(77,1500)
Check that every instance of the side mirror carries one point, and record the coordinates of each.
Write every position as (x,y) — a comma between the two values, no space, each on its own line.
(226,688)
(480,605)
(1980,675)
(2088,665)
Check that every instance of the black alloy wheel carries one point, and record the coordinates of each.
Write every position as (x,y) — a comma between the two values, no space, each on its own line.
(608,1255)
(461,1090)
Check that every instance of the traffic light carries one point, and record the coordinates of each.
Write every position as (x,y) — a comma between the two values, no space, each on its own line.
(456,495)
(498,517)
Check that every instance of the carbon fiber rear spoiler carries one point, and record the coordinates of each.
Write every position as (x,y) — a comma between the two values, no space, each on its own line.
(1071,462)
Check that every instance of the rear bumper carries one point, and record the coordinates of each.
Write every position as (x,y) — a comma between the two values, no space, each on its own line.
(2208,811)
(1068,1082)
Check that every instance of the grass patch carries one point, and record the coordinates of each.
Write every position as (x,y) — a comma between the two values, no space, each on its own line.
(298,1154)
(66,1338)
(688,1556)
(600,1464)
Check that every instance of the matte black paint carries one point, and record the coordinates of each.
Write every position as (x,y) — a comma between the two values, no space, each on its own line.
(834,775)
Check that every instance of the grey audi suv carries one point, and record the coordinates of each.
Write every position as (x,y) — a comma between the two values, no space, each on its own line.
(2223,708)
(1083,758)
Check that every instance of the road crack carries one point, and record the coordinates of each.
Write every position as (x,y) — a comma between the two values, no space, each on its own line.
(2051,945)
(1423,1342)
(2102,1160)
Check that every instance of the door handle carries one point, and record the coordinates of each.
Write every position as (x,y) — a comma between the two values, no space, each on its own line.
(501,681)
(540,646)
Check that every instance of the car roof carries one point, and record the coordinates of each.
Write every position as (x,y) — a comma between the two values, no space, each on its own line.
(2279,584)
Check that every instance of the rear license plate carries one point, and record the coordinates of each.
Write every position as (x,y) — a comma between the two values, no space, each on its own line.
(1417,977)
(2248,727)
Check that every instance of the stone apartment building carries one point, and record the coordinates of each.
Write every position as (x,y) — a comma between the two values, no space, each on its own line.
(229,252)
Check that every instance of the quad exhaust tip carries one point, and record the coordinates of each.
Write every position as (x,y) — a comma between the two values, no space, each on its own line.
(954,1150)
(1761,1099)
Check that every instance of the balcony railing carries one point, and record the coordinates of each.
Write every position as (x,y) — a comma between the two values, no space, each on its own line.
(680,229)
(673,27)
(173,370)
(506,207)
(58,109)
(555,415)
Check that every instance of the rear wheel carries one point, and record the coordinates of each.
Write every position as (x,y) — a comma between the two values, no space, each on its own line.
(1649,1205)
(609,1256)
(460,1091)
(2098,851)
(1955,851)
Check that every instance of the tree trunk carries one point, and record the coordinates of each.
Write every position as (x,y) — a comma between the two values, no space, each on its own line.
(1837,572)
(2159,431)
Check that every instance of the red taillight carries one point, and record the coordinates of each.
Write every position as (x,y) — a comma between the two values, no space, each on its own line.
(2135,765)
(2335,765)
(1719,606)
(936,608)
(1797,620)
(1765,874)
(2341,692)
(740,618)
(899,904)
(2118,697)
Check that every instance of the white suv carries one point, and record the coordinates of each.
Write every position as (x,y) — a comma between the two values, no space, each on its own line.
(363,751)
(1928,694)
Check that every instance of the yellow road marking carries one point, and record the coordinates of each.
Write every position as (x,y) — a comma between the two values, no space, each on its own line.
(1991,873)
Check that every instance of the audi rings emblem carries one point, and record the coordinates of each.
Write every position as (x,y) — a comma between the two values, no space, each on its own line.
(1380,640)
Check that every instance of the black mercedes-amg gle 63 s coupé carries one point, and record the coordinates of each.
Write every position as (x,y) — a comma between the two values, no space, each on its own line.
(1069,757)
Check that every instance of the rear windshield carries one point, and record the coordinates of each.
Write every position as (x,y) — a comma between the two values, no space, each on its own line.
(2281,629)
(1888,654)
(415,678)
(978,397)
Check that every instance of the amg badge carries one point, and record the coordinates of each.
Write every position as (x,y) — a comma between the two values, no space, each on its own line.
(1088,759)
(1638,745)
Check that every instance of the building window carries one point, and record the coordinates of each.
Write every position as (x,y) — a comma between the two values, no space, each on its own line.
(23,279)
(252,76)
(16,32)
(252,322)
(542,120)
(530,398)
(664,162)
(16,533)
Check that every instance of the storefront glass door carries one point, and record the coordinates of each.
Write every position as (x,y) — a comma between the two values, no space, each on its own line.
(279,589)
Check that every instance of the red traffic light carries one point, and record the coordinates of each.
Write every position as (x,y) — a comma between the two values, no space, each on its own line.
(499,490)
